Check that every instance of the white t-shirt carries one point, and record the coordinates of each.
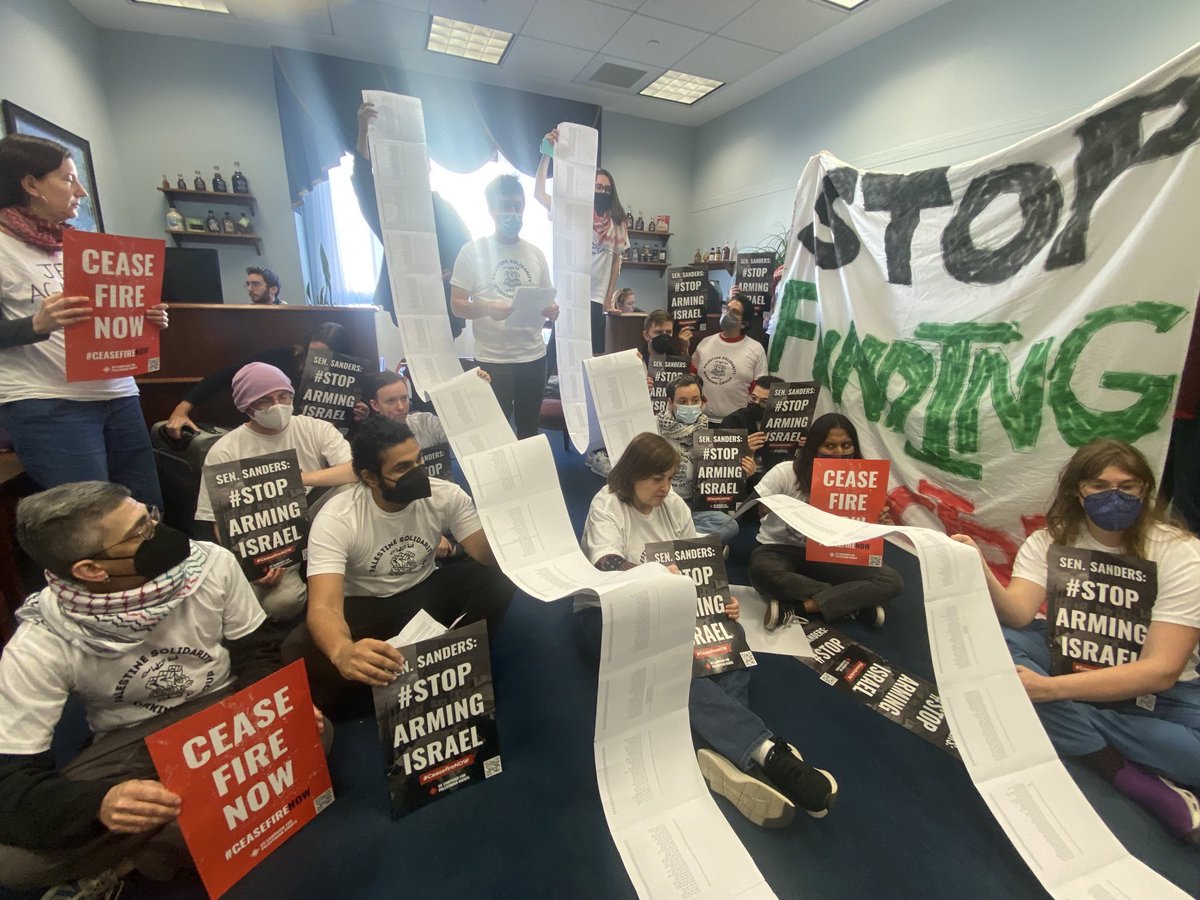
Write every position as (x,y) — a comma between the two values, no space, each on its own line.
(427,429)
(773,530)
(383,553)
(38,371)
(727,368)
(490,270)
(616,527)
(181,659)
(318,445)
(609,237)
(1178,559)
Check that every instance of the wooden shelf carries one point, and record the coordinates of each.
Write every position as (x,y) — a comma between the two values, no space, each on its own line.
(215,237)
(713,265)
(661,268)
(654,234)
(226,197)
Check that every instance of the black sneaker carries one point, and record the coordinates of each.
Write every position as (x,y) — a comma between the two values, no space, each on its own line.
(871,616)
(779,615)
(813,790)
(754,798)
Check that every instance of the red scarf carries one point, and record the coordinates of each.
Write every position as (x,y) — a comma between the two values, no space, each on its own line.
(32,229)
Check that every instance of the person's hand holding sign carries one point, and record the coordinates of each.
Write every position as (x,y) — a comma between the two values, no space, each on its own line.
(550,313)
(733,609)
(370,661)
(58,311)
(157,315)
(135,806)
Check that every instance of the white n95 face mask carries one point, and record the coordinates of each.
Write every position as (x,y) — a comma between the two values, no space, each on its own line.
(274,417)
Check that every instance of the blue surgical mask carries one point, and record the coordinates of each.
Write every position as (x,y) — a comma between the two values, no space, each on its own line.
(687,414)
(508,224)
(1112,510)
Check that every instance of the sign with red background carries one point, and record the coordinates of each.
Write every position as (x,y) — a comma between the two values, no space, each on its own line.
(853,489)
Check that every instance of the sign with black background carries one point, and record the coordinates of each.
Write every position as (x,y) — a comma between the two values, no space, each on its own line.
(330,387)
(753,278)
(663,372)
(686,294)
(720,477)
(787,416)
(436,460)
(720,642)
(437,720)
(260,509)
(1098,608)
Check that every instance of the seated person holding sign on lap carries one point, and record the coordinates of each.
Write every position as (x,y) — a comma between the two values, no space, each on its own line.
(264,394)
(1108,566)
(371,566)
(146,627)
(762,775)
(792,585)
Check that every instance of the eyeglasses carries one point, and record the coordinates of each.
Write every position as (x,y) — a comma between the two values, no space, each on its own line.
(144,530)
(1133,488)
(604,189)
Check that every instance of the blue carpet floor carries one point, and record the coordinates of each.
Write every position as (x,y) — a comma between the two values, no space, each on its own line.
(908,822)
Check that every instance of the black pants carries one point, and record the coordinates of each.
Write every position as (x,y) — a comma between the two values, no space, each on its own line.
(465,588)
(519,388)
(780,572)
(598,325)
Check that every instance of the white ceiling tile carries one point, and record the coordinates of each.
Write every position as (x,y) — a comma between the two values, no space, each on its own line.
(705,15)
(373,23)
(576,23)
(418,5)
(631,5)
(724,60)
(510,15)
(782,25)
(543,59)
(653,42)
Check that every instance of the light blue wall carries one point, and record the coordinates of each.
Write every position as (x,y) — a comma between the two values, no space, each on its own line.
(966,79)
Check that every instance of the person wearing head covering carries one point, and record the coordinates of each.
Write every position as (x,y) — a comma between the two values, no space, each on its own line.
(264,394)
(145,627)
(62,432)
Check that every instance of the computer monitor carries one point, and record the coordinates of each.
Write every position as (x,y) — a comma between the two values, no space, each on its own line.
(192,275)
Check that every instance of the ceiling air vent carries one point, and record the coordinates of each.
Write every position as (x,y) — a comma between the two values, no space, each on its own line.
(617,76)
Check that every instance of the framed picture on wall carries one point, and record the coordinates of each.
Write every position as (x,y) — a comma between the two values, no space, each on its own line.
(22,121)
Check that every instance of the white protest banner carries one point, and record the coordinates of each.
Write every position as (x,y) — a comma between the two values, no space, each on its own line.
(980,321)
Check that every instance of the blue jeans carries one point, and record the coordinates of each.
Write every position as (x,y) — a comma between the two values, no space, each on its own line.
(713,521)
(1166,740)
(718,704)
(60,441)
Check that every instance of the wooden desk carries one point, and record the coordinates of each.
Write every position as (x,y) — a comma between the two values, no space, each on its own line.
(205,338)
(14,484)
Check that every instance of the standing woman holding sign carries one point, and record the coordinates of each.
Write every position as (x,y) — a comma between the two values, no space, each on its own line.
(609,236)
(779,568)
(85,431)
(1137,723)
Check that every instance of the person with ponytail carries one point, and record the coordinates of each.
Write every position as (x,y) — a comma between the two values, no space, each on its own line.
(792,585)
(1136,721)
(87,430)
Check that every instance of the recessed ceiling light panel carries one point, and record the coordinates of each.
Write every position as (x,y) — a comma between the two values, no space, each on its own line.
(846,4)
(212,6)
(466,40)
(680,87)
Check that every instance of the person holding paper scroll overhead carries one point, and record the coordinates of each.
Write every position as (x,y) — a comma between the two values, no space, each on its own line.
(62,432)
(1130,713)
(779,570)
(610,237)
(371,567)
(764,776)
(485,281)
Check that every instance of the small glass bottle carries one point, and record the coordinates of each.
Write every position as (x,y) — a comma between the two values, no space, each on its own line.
(228,226)
(650,224)
(699,257)
(244,225)
(218,182)
(240,184)
(641,223)
(211,222)
(198,182)
(180,183)
(725,252)
(629,219)
(166,183)
(662,255)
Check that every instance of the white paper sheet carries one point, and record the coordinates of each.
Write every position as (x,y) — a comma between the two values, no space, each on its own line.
(782,642)
(527,306)
(470,415)
(420,627)
(621,399)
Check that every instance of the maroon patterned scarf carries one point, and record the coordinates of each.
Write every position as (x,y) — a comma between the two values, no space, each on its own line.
(32,229)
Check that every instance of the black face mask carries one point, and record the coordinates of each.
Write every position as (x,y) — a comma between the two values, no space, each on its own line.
(661,343)
(755,414)
(412,485)
(602,202)
(164,550)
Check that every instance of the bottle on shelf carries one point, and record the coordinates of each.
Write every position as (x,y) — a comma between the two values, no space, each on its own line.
(198,182)
(650,224)
(725,252)
(244,225)
(240,184)
(662,255)
(228,226)
(218,182)
(211,222)
(699,257)
(174,219)
(712,254)
(180,183)
(166,183)
(641,223)
(629,219)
